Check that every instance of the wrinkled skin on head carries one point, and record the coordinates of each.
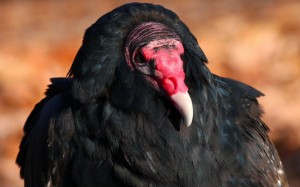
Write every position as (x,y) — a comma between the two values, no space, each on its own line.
(160,60)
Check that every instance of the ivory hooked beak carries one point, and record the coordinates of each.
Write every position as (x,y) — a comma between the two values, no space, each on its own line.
(183,103)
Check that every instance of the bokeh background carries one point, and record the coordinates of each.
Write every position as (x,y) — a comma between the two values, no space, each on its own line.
(257,42)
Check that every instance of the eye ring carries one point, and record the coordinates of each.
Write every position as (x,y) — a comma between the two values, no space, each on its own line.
(139,59)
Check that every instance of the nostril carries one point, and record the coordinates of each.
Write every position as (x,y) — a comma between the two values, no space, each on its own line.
(158,74)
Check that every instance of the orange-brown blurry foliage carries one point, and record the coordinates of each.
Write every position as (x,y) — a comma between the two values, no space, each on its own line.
(256,42)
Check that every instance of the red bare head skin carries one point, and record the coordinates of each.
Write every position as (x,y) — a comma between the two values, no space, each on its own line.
(156,43)
(169,72)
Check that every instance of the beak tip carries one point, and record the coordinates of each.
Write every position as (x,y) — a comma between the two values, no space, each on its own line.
(188,124)
(183,103)
(188,120)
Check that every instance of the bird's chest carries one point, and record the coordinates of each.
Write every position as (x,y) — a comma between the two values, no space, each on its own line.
(136,150)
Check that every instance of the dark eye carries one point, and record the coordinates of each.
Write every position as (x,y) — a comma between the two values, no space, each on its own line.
(140,60)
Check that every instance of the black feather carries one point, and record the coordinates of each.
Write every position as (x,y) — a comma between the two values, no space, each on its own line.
(106,125)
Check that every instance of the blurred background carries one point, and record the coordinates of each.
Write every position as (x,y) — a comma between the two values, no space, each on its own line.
(257,42)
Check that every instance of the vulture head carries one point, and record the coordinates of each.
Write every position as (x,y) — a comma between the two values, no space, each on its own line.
(155,50)
(127,55)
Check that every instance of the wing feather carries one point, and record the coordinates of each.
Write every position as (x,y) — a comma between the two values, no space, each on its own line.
(50,123)
(263,166)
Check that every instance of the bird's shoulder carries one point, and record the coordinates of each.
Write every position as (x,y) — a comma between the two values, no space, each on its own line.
(259,151)
(244,107)
(238,89)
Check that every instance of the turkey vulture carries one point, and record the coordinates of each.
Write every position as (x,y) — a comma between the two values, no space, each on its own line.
(139,107)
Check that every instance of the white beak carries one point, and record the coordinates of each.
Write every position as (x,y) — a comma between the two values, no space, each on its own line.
(183,103)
